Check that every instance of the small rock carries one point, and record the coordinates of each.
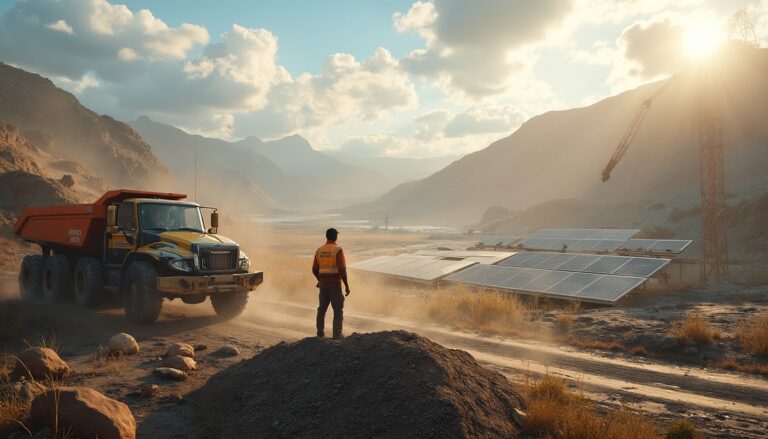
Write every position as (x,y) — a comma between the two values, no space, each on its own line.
(201,347)
(123,343)
(170,373)
(40,363)
(149,391)
(583,319)
(182,349)
(184,364)
(85,411)
(227,351)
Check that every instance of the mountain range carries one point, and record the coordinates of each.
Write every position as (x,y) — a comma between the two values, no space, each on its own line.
(559,155)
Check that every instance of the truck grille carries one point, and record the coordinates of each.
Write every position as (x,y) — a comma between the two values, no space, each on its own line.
(218,260)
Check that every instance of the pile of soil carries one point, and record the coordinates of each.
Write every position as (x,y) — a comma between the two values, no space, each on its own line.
(392,384)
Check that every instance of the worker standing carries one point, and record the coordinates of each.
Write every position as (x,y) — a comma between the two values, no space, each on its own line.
(330,269)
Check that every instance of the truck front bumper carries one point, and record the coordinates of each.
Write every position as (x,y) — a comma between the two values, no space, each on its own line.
(213,284)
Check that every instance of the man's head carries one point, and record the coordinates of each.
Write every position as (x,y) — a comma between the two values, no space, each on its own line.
(331,234)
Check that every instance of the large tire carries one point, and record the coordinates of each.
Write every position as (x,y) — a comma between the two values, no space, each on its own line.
(57,278)
(88,282)
(229,305)
(31,277)
(141,300)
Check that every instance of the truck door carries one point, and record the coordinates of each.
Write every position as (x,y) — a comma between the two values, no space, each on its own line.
(122,237)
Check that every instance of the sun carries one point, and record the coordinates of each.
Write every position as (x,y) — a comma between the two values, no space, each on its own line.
(701,41)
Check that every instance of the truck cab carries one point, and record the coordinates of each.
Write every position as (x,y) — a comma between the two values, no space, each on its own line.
(146,248)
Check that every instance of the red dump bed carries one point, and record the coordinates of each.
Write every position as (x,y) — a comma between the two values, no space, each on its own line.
(76,228)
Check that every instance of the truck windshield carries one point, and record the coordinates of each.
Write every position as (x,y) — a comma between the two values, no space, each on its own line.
(163,217)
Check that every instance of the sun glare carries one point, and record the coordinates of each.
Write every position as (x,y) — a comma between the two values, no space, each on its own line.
(699,42)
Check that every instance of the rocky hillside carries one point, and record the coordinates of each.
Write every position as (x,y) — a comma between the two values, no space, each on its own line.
(56,120)
(559,155)
(285,173)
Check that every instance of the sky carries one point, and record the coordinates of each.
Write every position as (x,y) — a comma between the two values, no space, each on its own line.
(370,78)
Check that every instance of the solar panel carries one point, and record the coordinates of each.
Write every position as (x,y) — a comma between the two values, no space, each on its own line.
(574,283)
(483,257)
(657,245)
(606,264)
(641,267)
(597,234)
(597,264)
(610,288)
(588,287)
(670,245)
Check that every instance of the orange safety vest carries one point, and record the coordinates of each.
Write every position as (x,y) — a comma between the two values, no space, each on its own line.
(326,259)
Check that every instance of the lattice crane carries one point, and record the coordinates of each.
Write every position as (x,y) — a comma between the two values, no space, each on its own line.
(714,238)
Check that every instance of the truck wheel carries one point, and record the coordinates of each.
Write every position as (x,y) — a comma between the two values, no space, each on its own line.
(141,300)
(88,283)
(57,279)
(229,305)
(31,277)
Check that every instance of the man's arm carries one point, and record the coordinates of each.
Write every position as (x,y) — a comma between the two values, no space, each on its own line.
(341,262)
(316,268)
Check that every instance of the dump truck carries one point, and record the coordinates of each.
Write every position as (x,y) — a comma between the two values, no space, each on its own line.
(144,246)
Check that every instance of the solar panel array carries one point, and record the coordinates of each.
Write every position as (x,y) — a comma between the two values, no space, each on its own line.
(656,245)
(418,268)
(587,287)
(596,264)
(599,240)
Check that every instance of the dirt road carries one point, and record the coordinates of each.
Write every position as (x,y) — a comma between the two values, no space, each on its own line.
(724,404)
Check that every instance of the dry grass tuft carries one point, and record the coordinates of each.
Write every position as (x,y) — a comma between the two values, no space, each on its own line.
(638,350)
(105,361)
(489,311)
(751,368)
(695,328)
(683,430)
(613,346)
(13,409)
(556,412)
(753,335)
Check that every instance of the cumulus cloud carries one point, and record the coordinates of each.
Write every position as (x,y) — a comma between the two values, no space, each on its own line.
(655,47)
(483,120)
(430,126)
(474,48)
(346,90)
(31,35)
(61,26)
(376,144)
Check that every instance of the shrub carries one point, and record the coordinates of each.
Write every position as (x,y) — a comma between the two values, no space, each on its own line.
(753,335)
(683,430)
(695,328)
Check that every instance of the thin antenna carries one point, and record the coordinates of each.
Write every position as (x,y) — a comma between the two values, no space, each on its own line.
(195,169)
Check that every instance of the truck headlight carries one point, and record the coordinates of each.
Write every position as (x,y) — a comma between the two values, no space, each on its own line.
(182,264)
(243,263)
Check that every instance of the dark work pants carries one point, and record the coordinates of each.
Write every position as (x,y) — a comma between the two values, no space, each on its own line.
(330,294)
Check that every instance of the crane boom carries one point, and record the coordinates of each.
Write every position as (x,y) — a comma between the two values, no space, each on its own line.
(631,132)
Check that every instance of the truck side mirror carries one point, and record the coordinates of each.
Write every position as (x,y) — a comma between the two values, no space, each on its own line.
(214,220)
(111,216)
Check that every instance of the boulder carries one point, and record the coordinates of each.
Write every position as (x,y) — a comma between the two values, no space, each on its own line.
(170,373)
(85,411)
(184,364)
(40,363)
(227,351)
(182,349)
(123,343)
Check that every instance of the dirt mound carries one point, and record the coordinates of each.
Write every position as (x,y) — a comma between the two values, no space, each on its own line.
(386,385)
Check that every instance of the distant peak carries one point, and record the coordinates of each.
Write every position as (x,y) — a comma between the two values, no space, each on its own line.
(143,119)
